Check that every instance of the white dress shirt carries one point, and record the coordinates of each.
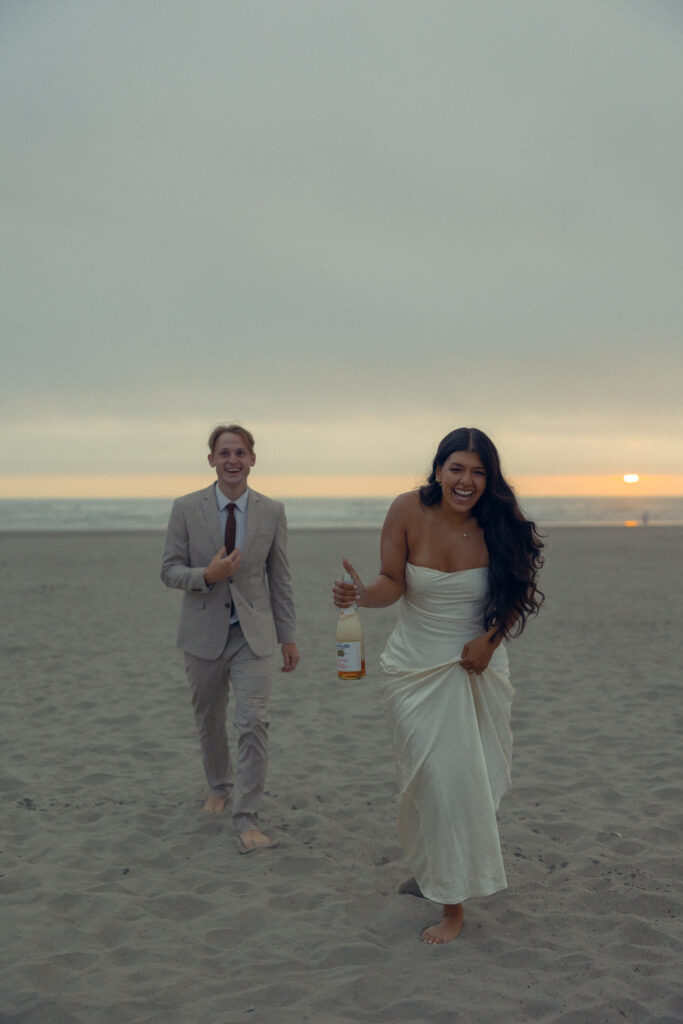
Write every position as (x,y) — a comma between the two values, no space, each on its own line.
(241,504)
(240,514)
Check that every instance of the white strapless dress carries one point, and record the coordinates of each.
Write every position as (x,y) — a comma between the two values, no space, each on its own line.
(451,735)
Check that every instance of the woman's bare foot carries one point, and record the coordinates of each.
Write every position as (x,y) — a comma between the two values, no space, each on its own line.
(448,928)
(215,804)
(252,839)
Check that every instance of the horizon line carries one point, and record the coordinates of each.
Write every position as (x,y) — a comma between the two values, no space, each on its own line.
(151,485)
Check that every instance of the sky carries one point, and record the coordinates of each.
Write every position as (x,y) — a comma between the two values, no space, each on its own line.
(350,226)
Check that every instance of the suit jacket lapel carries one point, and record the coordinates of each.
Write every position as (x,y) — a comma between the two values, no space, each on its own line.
(213,521)
(259,520)
(252,520)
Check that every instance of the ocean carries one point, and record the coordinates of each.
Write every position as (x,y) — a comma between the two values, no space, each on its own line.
(321,513)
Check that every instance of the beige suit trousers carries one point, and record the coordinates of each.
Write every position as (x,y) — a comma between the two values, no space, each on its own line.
(250,679)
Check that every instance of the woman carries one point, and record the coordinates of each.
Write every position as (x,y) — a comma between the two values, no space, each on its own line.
(464,560)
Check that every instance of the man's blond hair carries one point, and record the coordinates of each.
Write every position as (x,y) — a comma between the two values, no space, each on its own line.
(233,428)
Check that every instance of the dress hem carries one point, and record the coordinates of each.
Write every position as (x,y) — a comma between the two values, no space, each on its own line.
(461,899)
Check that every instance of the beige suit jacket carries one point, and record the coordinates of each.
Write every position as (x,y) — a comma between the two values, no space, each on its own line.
(260,589)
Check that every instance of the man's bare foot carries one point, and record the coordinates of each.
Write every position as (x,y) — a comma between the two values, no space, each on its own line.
(448,928)
(252,839)
(215,804)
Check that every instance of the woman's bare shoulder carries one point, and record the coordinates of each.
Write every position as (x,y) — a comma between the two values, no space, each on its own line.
(409,501)
(404,507)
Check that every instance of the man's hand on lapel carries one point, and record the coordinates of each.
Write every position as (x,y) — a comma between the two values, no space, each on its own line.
(222,565)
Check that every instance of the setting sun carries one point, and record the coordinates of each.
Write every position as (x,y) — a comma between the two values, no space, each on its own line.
(631,478)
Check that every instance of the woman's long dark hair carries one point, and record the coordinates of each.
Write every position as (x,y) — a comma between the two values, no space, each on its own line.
(513,543)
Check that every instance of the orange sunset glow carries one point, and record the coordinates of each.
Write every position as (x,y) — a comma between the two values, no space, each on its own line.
(324,486)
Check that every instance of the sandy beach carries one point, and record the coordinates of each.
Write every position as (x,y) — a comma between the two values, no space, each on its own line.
(123,903)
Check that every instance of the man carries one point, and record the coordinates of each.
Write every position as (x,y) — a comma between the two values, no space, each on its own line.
(226,548)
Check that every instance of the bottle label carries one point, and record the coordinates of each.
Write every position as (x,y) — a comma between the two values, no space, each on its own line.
(348,656)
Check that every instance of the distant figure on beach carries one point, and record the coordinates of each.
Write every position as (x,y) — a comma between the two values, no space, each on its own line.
(226,548)
(463,560)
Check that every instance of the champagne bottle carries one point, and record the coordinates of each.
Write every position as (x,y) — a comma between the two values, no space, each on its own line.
(350,644)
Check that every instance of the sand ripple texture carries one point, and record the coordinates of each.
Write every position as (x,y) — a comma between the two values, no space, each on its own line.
(123,904)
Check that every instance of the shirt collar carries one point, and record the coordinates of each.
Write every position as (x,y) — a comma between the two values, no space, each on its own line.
(223,501)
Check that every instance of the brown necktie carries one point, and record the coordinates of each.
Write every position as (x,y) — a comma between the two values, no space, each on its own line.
(230,528)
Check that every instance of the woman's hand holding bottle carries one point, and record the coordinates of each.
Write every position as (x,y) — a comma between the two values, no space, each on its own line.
(345,592)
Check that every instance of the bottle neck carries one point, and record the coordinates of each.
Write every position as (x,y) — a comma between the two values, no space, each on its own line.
(352,609)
